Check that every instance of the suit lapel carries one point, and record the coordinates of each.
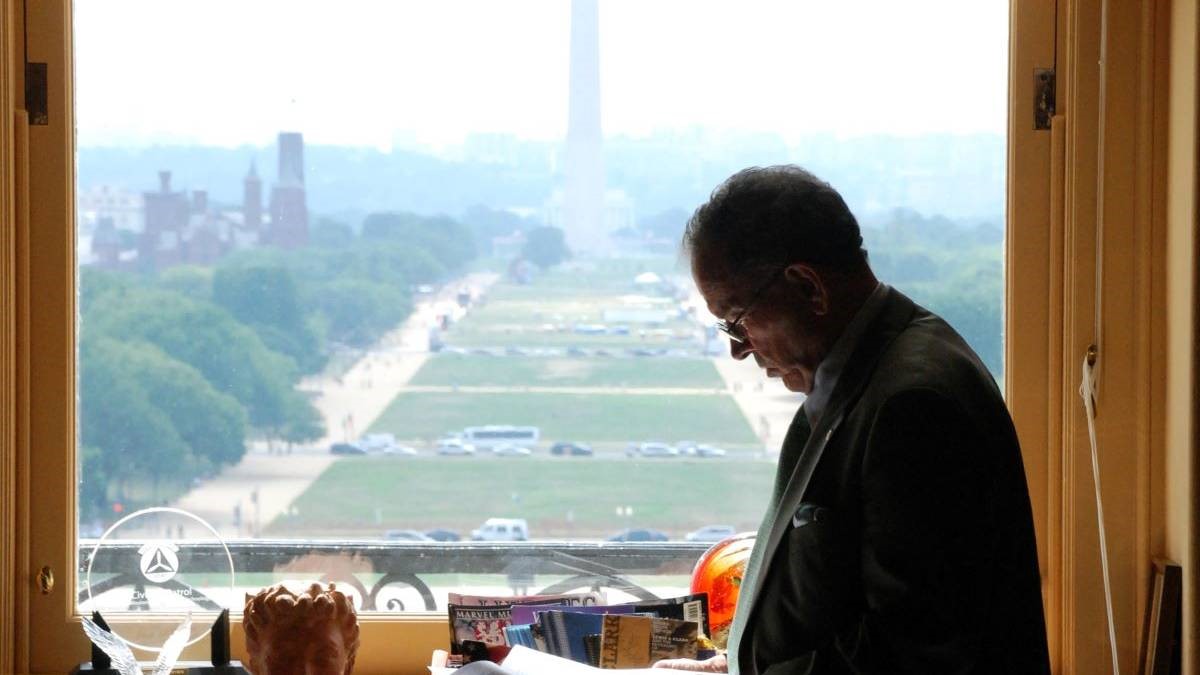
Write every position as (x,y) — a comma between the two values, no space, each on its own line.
(895,315)
(794,443)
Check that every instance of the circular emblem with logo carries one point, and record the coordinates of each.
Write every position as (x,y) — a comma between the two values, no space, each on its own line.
(159,561)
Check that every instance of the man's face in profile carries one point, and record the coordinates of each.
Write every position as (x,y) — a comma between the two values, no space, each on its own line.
(775,316)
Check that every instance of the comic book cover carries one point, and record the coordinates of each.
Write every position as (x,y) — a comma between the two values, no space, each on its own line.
(481,624)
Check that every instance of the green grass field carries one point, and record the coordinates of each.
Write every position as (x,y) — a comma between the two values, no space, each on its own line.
(560,497)
(612,275)
(541,313)
(470,369)
(547,322)
(580,417)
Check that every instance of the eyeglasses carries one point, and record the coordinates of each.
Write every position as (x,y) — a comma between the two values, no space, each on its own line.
(734,328)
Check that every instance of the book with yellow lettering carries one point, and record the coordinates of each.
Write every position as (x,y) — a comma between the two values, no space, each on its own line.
(628,641)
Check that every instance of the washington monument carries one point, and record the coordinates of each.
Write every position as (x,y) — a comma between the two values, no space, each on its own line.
(584,159)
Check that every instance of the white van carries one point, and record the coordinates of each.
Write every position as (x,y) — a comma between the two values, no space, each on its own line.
(502,529)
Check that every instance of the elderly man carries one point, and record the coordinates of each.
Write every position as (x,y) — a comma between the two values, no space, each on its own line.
(899,537)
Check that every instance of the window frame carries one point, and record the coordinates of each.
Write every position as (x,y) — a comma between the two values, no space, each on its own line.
(1051,183)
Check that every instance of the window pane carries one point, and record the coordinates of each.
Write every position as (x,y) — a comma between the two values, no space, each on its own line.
(360,286)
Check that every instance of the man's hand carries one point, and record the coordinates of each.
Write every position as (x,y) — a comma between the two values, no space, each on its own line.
(716,664)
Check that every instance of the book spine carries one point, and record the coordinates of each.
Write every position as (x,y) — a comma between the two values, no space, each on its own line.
(608,641)
(559,643)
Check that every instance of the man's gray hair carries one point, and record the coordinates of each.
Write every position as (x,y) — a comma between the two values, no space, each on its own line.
(763,218)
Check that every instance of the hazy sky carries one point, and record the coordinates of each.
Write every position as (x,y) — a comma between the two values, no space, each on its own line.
(229,72)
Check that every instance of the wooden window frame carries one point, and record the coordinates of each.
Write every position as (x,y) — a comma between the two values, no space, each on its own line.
(1107,147)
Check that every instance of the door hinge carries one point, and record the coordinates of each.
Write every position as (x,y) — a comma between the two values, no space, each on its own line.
(1043,97)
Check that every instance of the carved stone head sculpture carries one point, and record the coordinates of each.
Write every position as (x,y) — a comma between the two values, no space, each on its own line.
(311,633)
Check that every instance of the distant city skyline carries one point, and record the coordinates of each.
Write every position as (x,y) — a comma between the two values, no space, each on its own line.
(408,75)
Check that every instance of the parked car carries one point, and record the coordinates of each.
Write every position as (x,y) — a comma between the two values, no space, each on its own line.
(442,534)
(571,448)
(346,449)
(453,446)
(708,451)
(510,450)
(652,449)
(401,450)
(502,529)
(405,535)
(639,534)
(711,533)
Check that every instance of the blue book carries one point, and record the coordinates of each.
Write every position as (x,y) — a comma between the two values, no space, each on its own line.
(566,628)
(519,635)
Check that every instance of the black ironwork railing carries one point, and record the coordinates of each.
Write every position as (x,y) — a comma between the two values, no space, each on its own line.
(370,567)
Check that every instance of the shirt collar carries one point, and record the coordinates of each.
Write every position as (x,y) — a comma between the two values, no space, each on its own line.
(830,370)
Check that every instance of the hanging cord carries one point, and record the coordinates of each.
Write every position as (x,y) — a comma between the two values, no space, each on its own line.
(1087,389)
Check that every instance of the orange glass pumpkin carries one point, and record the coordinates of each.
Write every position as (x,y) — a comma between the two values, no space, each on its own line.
(719,573)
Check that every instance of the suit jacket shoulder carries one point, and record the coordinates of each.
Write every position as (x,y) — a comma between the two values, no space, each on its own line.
(924,560)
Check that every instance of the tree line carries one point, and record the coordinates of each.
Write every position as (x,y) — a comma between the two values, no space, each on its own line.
(178,368)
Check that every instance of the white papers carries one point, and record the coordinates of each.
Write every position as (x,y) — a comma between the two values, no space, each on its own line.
(526,661)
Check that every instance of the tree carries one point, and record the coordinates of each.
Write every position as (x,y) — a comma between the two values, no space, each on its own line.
(667,224)
(304,423)
(357,311)
(545,246)
(487,223)
(450,242)
(135,437)
(329,233)
(146,417)
(193,281)
(95,283)
(266,298)
(212,424)
(228,354)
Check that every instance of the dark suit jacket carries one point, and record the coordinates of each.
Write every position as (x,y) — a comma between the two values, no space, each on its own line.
(901,537)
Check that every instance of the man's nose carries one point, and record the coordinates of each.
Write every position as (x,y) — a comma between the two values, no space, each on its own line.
(739,350)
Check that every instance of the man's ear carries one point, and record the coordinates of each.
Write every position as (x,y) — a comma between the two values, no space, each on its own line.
(810,286)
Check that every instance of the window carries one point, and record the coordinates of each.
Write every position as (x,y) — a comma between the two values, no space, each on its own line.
(702,158)
(493,261)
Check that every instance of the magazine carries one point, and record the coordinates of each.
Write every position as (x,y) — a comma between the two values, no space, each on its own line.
(482,624)
(628,641)
(486,620)
(685,608)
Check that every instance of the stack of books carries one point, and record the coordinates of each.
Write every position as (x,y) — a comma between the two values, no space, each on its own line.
(581,627)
